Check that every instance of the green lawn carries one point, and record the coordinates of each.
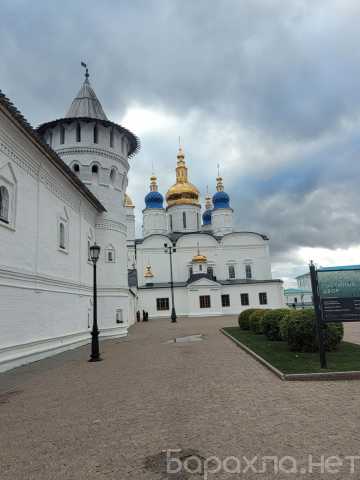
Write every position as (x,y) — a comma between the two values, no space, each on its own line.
(345,359)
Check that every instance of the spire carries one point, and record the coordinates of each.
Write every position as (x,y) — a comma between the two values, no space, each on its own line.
(208,203)
(181,168)
(86,103)
(219,184)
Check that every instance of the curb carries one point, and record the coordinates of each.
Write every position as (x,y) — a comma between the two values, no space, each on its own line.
(351,375)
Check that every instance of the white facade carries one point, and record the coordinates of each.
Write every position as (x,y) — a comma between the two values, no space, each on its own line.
(231,268)
(48,220)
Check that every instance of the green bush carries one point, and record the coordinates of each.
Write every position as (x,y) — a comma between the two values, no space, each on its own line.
(298,328)
(244,318)
(256,320)
(271,322)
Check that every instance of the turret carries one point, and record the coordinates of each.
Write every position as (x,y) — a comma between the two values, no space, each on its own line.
(182,198)
(206,217)
(154,214)
(222,214)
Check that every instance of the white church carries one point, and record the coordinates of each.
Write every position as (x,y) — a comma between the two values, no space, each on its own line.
(62,188)
(216,269)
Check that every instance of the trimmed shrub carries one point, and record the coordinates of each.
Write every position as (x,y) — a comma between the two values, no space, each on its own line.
(256,320)
(298,328)
(271,322)
(243,320)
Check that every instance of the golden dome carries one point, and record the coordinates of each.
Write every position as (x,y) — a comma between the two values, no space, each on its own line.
(182,192)
(127,201)
(199,259)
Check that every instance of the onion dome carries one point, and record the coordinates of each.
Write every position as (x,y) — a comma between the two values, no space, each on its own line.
(199,258)
(154,199)
(208,210)
(127,201)
(182,192)
(220,199)
(148,273)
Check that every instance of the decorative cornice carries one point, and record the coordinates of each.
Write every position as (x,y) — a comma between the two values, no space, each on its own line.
(92,150)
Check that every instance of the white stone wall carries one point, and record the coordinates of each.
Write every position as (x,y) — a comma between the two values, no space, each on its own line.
(175,218)
(46,293)
(187,298)
(222,221)
(237,249)
(154,221)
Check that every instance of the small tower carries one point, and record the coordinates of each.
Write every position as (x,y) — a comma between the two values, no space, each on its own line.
(199,263)
(206,217)
(154,214)
(182,198)
(222,214)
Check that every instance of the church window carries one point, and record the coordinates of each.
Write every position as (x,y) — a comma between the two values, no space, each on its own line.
(225,300)
(95,169)
(248,272)
(263,298)
(198,221)
(119,316)
(200,268)
(184,219)
(231,269)
(190,271)
(210,271)
(76,167)
(89,251)
(96,134)
(62,243)
(244,297)
(162,304)
(78,132)
(205,301)
(171,223)
(112,138)
(4,204)
(112,175)
(110,254)
(62,134)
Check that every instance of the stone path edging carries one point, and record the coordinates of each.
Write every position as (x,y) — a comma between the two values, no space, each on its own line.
(352,375)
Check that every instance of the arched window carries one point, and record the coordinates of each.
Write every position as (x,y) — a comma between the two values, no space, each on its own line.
(96,133)
(78,132)
(184,219)
(248,272)
(112,138)
(113,175)
(110,254)
(76,167)
(95,169)
(4,204)
(62,243)
(62,134)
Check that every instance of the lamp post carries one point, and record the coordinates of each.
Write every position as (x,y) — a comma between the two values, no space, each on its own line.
(170,249)
(95,355)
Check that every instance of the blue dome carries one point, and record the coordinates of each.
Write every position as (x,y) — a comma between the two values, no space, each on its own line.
(221,200)
(154,200)
(207,217)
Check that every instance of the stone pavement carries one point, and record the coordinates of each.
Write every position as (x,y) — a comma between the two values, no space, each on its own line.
(63,418)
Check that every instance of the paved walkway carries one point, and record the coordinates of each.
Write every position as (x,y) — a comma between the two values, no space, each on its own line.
(68,419)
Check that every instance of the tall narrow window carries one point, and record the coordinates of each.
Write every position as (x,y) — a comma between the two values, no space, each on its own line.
(244,298)
(210,271)
(184,219)
(96,133)
(78,132)
(248,272)
(263,298)
(171,223)
(231,272)
(50,138)
(62,134)
(4,204)
(112,138)
(62,236)
(113,175)
(95,169)
(76,168)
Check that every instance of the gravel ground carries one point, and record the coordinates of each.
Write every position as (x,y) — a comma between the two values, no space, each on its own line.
(65,418)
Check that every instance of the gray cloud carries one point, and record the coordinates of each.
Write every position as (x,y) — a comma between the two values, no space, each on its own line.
(267,88)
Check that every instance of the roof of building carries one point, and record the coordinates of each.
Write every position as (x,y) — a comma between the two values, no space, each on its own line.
(20,120)
(86,104)
(174,236)
(339,268)
(290,291)
(196,277)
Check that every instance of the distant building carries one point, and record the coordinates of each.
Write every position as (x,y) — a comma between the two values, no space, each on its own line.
(301,296)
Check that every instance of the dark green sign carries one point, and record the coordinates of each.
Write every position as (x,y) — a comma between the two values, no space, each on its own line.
(339,283)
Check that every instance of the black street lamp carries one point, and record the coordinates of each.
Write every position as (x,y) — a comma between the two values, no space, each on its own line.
(95,355)
(170,249)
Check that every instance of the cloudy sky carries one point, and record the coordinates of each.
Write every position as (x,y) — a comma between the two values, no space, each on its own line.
(269,89)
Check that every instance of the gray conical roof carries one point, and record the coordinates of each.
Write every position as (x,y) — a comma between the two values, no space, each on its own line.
(86,104)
